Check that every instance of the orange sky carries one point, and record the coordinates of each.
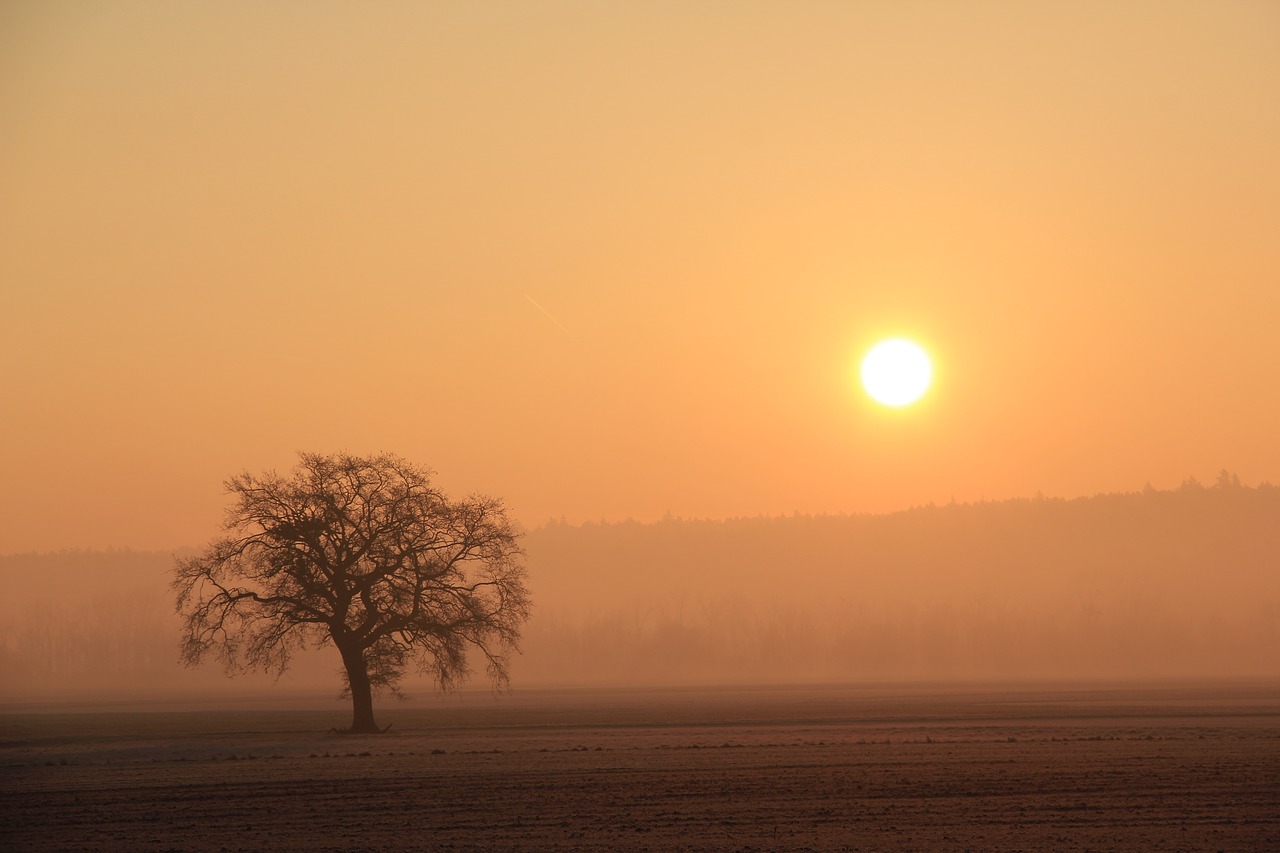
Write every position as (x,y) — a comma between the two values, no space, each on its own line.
(614,260)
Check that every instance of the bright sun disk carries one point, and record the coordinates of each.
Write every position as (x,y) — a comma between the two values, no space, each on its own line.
(896,372)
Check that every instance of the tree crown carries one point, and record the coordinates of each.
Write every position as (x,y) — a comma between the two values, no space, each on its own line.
(362,552)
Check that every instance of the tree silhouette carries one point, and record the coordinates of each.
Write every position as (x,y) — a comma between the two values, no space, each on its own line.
(362,553)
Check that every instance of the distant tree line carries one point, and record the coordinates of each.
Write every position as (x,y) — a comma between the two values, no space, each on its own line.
(1178,582)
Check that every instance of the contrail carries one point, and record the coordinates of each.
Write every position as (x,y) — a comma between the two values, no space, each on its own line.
(559,325)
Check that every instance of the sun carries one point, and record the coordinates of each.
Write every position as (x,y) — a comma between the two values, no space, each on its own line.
(896,372)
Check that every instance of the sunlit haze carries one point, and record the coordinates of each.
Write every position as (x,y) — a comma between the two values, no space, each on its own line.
(620,260)
(600,425)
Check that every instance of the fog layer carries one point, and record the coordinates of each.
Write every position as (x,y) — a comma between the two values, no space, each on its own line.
(1143,585)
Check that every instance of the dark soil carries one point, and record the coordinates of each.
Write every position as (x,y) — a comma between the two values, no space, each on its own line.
(808,769)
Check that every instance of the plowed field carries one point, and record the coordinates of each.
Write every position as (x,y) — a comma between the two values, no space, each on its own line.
(1170,768)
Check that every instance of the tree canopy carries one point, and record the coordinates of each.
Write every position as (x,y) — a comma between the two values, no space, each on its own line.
(362,553)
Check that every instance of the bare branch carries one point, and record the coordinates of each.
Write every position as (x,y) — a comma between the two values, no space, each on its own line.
(364,553)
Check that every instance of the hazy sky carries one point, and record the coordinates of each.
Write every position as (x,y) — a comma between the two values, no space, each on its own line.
(618,259)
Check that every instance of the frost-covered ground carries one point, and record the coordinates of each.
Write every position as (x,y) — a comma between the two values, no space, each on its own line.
(1194,767)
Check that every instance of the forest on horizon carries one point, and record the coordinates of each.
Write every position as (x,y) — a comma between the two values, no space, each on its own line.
(1153,584)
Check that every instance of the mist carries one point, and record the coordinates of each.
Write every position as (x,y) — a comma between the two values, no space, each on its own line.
(1154,584)
(1157,584)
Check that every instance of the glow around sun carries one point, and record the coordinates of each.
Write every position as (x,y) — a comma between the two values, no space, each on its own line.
(896,372)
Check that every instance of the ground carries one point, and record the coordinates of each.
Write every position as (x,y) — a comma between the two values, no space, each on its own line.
(1192,767)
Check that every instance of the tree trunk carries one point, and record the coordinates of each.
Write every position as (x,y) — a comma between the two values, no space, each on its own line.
(361,691)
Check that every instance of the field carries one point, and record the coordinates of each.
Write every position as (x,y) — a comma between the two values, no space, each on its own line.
(1191,767)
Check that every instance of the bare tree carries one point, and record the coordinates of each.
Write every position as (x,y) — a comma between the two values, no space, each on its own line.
(362,553)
